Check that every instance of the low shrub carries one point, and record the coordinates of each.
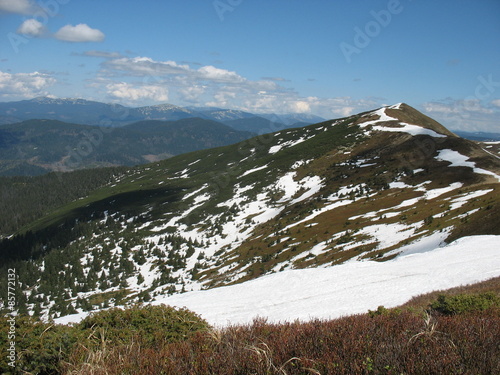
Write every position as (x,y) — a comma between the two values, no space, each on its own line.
(150,325)
(47,348)
(40,347)
(464,303)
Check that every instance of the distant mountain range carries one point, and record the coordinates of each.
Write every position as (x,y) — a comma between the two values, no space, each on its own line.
(36,147)
(86,112)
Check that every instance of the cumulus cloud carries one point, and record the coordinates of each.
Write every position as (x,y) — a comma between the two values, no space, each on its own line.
(32,27)
(24,85)
(79,33)
(219,75)
(131,92)
(213,86)
(17,6)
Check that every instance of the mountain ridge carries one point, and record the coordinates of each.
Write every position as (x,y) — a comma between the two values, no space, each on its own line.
(352,189)
(87,112)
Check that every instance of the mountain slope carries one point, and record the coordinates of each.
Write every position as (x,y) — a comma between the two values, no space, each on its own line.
(357,188)
(39,146)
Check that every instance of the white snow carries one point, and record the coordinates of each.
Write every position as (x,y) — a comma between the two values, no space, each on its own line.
(396,106)
(254,170)
(275,149)
(405,128)
(434,193)
(464,199)
(458,160)
(291,143)
(350,288)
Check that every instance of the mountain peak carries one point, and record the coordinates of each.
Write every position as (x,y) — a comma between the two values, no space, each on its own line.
(401,117)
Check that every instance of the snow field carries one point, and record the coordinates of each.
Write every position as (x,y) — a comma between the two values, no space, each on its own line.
(350,288)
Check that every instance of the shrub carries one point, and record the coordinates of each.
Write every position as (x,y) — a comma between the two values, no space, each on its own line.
(44,348)
(382,310)
(463,303)
(151,325)
(39,346)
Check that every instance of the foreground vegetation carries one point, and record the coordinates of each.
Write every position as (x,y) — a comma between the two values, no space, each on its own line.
(452,332)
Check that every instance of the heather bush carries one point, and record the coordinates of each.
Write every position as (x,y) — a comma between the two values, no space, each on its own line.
(402,343)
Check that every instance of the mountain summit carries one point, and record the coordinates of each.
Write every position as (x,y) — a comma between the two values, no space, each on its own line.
(365,187)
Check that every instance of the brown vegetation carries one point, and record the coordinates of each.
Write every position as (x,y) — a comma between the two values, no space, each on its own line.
(410,340)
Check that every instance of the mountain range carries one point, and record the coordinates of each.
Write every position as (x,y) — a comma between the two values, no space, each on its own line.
(87,112)
(35,147)
(367,187)
(44,134)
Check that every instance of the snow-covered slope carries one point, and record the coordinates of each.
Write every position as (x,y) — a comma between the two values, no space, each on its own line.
(350,288)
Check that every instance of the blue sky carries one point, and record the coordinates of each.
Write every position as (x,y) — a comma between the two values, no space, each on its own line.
(330,58)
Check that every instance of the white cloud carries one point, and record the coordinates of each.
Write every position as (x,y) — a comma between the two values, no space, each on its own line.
(79,33)
(143,66)
(464,107)
(32,27)
(192,94)
(24,85)
(464,114)
(17,6)
(496,102)
(213,86)
(130,92)
(220,75)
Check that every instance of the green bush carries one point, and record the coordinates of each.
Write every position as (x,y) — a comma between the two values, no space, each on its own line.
(39,346)
(463,303)
(42,348)
(151,325)
(382,310)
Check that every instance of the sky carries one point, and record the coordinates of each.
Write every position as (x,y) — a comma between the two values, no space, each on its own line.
(329,58)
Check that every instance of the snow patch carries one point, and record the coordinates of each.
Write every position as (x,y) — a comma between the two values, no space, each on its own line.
(458,160)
